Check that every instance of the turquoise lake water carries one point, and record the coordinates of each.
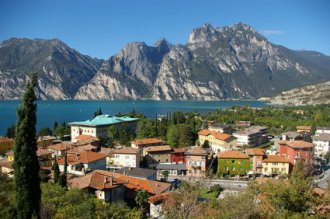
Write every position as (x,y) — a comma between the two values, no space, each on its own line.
(72,110)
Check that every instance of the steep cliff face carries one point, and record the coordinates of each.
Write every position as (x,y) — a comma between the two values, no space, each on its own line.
(130,74)
(61,70)
(216,63)
(307,95)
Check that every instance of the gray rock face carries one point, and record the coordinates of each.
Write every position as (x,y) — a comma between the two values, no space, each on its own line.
(216,63)
(61,70)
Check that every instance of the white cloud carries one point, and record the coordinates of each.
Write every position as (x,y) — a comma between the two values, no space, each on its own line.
(272,32)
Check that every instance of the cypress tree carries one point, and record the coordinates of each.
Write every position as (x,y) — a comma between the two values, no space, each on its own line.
(26,165)
(56,171)
(63,178)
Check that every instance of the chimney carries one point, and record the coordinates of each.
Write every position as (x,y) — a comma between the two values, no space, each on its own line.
(284,137)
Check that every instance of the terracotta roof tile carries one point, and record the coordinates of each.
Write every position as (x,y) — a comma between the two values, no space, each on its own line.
(232,155)
(6,140)
(82,157)
(151,186)
(127,150)
(158,148)
(255,151)
(297,144)
(179,150)
(204,132)
(43,152)
(147,141)
(60,146)
(222,136)
(196,151)
(275,159)
(86,137)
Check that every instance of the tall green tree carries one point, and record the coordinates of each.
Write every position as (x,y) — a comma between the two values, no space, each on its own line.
(56,171)
(26,165)
(11,131)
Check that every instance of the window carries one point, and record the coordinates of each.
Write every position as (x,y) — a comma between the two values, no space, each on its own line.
(233,161)
(275,164)
(126,157)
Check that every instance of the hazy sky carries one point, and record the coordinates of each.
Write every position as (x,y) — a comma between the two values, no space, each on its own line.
(100,28)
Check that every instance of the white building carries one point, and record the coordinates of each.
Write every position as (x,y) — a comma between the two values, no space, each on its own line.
(253,136)
(79,164)
(98,127)
(322,130)
(322,144)
(127,157)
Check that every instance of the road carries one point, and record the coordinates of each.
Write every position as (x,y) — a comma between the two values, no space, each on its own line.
(237,185)
(323,183)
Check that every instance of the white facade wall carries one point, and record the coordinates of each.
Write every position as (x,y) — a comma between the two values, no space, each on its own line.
(242,139)
(322,131)
(98,164)
(321,147)
(86,130)
(127,160)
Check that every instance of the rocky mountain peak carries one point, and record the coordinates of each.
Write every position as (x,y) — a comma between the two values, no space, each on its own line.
(202,34)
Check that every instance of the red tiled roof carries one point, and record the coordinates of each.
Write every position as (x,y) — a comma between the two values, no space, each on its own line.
(179,150)
(151,186)
(82,157)
(222,136)
(158,148)
(43,152)
(219,136)
(147,141)
(6,140)
(86,137)
(204,132)
(127,150)
(255,151)
(232,155)
(60,146)
(197,151)
(297,144)
(275,159)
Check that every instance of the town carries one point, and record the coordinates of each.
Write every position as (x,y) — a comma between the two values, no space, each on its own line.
(124,157)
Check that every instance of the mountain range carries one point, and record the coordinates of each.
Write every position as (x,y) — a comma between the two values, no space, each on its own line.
(233,62)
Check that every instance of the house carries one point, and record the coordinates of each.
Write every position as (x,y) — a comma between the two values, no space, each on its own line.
(178,155)
(156,205)
(146,142)
(6,167)
(304,128)
(158,154)
(322,130)
(173,169)
(243,123)
(98,127)
(44,157)
(217,141)
(44,141)
(256,156)
(126,157)
(275,165)
(109,153)
(295,150)
(252,136)
(233,163)
(6,144)
(141,173)
(196,161)
(59,149)
(322,144)
(220,128)
(81,163)
(100,183)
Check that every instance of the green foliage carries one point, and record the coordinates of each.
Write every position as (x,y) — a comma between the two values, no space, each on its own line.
(10,133)
(141,198)
(26,165)
(45,131)
(56,171)
(98,112)
(7,198)
(61,130)
(233,167)
(146,128)
(165,173)
(180,135)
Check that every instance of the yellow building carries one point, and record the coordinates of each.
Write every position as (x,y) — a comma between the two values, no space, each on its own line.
(304,128)
(217,141)
(6,144)
(274,165)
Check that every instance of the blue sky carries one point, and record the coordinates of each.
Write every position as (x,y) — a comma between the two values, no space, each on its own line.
(100,28)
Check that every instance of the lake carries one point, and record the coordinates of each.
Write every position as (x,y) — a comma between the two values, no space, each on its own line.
(74,110)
